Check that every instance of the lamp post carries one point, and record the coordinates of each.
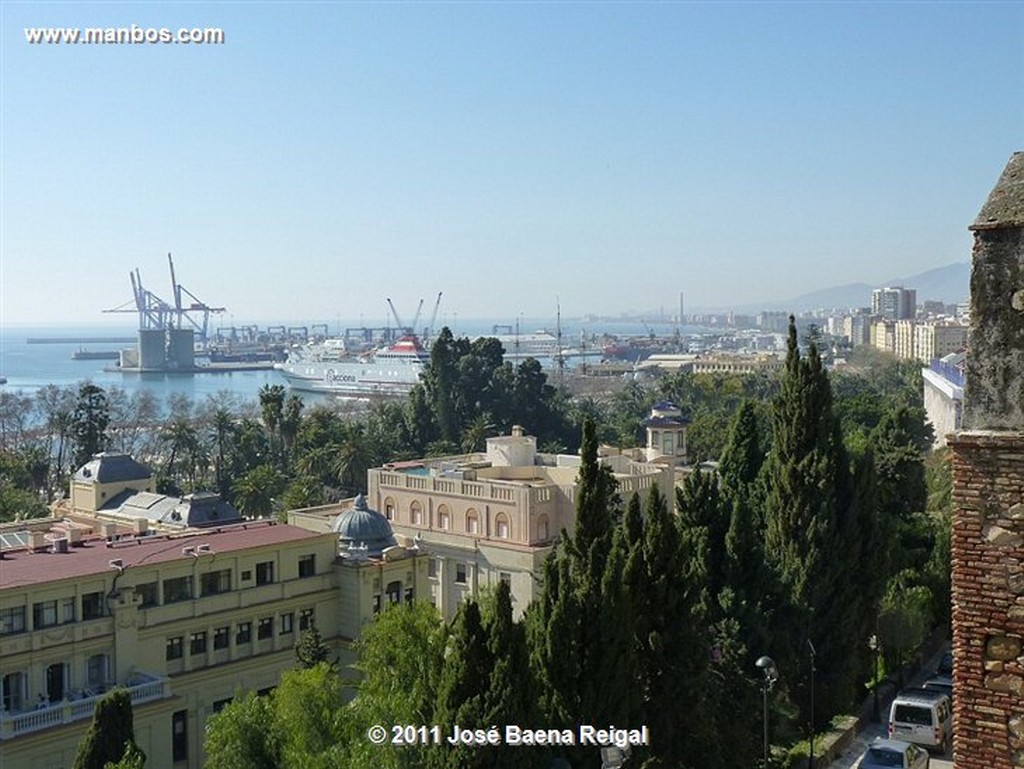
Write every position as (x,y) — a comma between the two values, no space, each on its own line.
(875,648)
(771,675)
(810,761)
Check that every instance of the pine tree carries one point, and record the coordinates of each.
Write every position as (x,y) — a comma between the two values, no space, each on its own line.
(111,733)
(89,422)
(310,650)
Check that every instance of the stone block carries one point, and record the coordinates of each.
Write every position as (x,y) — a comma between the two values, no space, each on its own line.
(1002,648)
(1004,682)
(993,666)
(1000,537)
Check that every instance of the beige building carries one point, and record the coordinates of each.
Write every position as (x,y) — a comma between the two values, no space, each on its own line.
(883,335)
(183,616)
(491,516)
(934,341)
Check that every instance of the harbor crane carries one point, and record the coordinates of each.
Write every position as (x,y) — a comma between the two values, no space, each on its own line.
(156,313)
(405,329)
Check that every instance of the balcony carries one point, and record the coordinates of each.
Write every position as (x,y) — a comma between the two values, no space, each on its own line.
(142,687)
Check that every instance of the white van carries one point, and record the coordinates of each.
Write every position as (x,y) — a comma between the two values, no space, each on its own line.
(922,716)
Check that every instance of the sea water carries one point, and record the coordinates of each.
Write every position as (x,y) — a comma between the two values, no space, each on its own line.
(28,367)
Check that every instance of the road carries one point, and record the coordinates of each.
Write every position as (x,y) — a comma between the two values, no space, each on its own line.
(849,759)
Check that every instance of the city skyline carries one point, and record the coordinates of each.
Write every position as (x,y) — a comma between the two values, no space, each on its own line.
(604,157)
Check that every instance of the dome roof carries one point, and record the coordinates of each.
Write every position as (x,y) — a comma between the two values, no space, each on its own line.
(362,527)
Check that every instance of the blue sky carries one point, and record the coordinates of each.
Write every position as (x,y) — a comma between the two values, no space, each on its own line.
(329,155)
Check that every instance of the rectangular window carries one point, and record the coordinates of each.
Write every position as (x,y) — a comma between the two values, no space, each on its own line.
(147,593)
(306,619)
(287,623)
(265,628)
(197,643)
(44,614)
(460,573)
(307,565)
(177,589)
(244,634)
(376,604)
(247,575)
(431,567)
(219,705)
(175,647)
(505,577)
(67,610)
(214,582)
(179,736)
(97,672)
(220,637)
(14,692)
(92,605)
(265,573)
(12,620)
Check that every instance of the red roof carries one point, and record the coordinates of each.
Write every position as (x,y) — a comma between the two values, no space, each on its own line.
(21,568)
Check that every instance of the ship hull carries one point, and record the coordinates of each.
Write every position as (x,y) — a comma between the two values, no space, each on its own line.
(352,380)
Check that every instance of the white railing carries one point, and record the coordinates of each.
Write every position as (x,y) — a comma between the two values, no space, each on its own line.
(16,724)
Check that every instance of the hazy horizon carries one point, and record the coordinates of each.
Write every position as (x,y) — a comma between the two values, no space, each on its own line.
(604,156)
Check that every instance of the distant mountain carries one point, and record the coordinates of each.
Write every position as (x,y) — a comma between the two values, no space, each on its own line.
(947,284)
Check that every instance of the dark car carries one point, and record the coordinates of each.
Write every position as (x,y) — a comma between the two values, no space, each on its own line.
(893,754)
(945,667)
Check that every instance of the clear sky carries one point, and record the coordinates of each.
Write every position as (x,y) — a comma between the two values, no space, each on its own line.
(329,155)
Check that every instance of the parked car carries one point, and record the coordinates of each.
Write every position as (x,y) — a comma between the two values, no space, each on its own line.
(893,754)
(940,683)
(924,717)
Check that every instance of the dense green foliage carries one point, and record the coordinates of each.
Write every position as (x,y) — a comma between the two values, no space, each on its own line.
(111,734)
(823,524)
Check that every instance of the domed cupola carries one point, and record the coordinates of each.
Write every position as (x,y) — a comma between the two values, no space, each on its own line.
(363,532)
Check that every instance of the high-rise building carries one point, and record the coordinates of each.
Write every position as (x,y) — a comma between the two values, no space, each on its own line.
(894,302)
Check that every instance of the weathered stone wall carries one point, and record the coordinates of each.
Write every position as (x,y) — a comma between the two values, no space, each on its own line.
(988,494)
(988,600)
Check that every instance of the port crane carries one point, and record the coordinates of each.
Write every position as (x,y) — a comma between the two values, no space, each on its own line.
(156,313)
(404,329)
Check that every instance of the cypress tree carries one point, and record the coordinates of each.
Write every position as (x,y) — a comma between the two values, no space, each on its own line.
(510,691)
(463,689)
(808,534)
(111,733)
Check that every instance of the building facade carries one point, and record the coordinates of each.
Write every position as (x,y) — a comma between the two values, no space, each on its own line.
(183,615)
(491,516)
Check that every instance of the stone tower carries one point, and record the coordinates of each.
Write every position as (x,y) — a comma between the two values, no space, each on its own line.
(988,494)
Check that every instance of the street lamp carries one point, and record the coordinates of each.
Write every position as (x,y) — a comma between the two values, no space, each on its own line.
(771,675)
(810,763)
(876,648)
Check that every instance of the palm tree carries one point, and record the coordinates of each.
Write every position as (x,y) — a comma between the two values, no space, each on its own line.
(255,492)
(222,430)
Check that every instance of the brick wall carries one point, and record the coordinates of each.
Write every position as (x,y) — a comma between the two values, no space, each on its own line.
(988,599)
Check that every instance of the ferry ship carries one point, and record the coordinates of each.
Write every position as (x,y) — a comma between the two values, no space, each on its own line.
(329,367)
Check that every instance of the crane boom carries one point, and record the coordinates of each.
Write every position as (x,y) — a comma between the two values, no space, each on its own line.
(394,314)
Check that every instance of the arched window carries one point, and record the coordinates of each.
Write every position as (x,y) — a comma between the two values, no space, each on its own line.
(542,528)
(416,513)
(389,508)
(472,521)
(501,526)
(444,518)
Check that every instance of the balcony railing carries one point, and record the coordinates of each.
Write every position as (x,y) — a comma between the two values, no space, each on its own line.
(142,688)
